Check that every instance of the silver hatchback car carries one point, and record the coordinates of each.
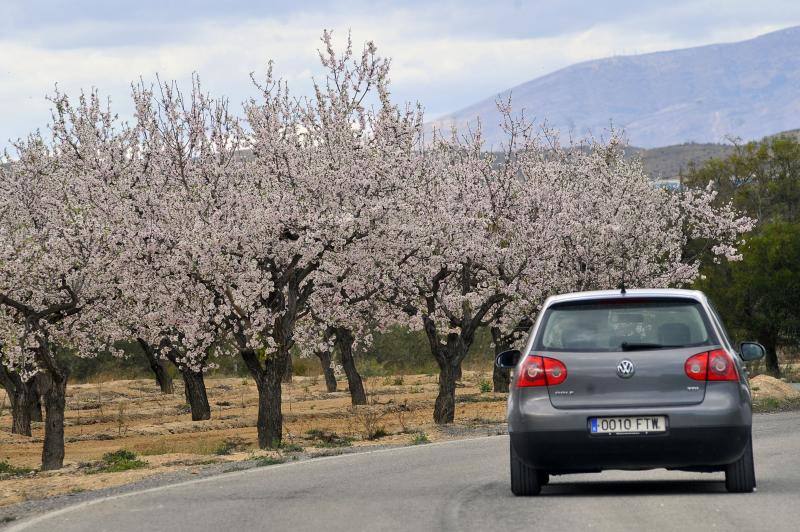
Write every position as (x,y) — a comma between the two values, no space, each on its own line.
(641,379)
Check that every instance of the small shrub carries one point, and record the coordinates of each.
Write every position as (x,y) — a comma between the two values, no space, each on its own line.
(290,447)
(485,385)
(368,418)
(398,381)
(419,438)
(378,433)
(121,460)
(8,470)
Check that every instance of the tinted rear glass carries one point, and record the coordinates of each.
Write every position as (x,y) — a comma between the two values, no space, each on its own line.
(617,325)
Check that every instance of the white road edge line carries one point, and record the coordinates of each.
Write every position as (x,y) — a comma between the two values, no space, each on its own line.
(22,525)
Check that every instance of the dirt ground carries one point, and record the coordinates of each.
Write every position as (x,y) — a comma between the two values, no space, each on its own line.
(132,414)
(766,387)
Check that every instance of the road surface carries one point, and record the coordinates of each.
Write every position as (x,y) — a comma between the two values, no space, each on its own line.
(459,485)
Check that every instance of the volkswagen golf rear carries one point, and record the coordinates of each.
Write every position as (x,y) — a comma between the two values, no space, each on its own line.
(640,379)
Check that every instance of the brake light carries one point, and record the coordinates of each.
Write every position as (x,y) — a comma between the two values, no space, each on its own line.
(714,365)
(541,371)
(696,366)
(721,367)
(554,371)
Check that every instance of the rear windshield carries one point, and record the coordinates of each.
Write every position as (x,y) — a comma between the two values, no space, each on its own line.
(624,325)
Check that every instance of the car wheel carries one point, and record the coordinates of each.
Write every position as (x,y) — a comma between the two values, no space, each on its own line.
(525,480)
(740,476)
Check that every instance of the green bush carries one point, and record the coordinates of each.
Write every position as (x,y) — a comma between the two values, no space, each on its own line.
(419,438)
(8,470)
(121,460)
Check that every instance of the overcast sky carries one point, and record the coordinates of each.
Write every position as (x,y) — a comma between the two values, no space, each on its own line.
(445,54)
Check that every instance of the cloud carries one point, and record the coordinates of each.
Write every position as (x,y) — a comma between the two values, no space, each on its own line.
(445,54)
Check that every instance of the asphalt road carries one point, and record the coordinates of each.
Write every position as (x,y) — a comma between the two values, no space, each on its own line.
(459,485)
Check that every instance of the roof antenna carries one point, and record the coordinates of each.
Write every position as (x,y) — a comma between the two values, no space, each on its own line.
(622,285)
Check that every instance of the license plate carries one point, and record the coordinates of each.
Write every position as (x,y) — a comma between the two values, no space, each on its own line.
(627,425)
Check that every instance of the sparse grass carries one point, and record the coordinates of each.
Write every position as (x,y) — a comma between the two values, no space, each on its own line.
(378,433)
(263,461)
(770,404)
(7,470)
(398,381)
(327,439)
(121,460)
(419,438)
(485,385)
(290,447)
(229,445)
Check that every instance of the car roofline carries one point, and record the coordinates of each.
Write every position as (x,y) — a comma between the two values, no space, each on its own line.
(631,293)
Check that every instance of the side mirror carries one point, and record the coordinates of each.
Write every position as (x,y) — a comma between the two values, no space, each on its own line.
(508,359)
(750,351)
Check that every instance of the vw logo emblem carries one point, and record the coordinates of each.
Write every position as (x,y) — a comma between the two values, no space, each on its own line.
(625,369)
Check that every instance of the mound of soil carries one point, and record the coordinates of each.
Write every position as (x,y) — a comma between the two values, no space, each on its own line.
(766,387)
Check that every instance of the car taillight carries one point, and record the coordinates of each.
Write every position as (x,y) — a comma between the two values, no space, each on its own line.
(696,366)
(721,367)
(541,371)
(554,370)
(714,365)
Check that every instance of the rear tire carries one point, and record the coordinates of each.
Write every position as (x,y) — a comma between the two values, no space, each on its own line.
(544,477)
(525,480)
(740,476)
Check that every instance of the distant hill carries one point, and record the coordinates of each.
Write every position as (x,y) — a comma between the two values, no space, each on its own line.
(669,162)
(747,89)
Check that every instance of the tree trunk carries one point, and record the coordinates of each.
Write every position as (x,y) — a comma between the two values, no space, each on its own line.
(501,378)
(771,358)
(268,381)
(344,342)
(24,398)
(444,410)
(195,391)
(330,377)
(449,356)
(54,391)
(287,375)
(163,378)
(36,408)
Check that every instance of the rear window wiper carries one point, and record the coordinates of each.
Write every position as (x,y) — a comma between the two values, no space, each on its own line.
(633,346)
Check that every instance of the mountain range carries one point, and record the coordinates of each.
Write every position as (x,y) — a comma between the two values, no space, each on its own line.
(747,89)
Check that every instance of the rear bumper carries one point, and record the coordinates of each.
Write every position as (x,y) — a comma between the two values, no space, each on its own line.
(703,436)
(579,451)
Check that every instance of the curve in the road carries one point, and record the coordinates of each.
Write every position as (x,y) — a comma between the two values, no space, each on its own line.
(460,485)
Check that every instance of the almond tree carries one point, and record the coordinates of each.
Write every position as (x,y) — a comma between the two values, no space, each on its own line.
(470,234)
(320,178)
(59,261)
(188,144)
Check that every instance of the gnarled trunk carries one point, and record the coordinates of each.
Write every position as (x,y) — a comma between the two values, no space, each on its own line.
(325,361)
(444,410)
(501,378)
(344,342)
(268,382)
(54,392)
(163,378)
(195,392)
(449,356)
(24,398)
